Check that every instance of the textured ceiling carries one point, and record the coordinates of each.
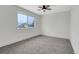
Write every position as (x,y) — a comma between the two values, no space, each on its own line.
(55,8)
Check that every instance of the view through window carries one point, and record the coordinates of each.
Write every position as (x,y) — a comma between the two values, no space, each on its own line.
(25,21)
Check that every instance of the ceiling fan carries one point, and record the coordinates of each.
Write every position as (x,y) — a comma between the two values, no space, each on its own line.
(44,8)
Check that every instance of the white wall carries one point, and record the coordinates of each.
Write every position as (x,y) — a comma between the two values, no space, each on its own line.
(75,28)
(8,25)
(56,25)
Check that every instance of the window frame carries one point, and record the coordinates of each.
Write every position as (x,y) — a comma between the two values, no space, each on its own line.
(27,21)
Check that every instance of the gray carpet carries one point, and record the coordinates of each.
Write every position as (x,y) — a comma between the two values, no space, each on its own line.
(39,45)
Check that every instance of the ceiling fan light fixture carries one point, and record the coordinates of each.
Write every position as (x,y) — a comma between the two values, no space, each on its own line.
(44,8)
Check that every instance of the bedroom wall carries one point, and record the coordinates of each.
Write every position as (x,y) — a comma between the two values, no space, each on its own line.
(8,25)
(74,32)
(56,25)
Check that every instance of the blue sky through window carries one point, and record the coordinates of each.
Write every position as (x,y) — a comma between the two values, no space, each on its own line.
(22,19)
(25,21)
(30,20)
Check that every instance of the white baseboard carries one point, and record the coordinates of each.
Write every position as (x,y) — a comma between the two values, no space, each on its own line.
(55,36)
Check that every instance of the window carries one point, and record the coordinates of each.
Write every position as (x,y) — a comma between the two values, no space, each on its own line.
(25,21)
(30,21)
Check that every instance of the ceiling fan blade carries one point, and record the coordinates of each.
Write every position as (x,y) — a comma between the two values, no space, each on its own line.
(47,6)
(49,9)
(40,7)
